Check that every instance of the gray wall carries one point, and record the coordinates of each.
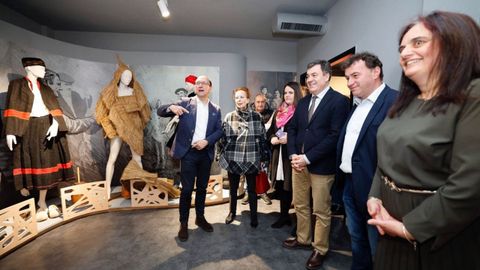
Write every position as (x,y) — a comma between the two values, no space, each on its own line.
(232,66)
(261,55)
(372,25)
(469,7)
(368,25)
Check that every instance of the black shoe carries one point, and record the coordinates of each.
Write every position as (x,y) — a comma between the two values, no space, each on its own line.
(230,218)
(183,232)
(203,223)
(282,221)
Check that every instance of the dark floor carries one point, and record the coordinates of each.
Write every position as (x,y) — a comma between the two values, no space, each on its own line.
(146,239)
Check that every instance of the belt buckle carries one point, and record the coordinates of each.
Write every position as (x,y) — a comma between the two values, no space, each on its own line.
(391,184)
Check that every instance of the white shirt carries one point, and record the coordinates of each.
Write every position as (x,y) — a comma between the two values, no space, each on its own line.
(317,101)
(38,108)
(201,122)
(319,98)
(354,127)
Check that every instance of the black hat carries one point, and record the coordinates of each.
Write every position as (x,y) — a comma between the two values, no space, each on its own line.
(178,90)
(32,61)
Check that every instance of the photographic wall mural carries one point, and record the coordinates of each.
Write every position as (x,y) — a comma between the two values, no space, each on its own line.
(77,84)
(270,84)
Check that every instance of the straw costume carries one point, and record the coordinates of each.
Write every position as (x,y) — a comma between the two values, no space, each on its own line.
(123,116)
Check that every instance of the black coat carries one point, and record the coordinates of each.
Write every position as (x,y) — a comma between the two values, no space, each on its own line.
(287,168)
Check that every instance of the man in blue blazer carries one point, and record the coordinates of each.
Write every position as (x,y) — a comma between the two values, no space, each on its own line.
(357,150)
(311,144)
(199,128)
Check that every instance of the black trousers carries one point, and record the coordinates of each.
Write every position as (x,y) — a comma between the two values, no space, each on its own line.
(285,197)
(251,189)
(196,163)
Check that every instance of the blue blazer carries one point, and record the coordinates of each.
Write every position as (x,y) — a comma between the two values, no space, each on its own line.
(319,136)
(186,126)
(364,158)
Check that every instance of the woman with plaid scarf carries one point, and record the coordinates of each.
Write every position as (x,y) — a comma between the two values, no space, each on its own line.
(242,149)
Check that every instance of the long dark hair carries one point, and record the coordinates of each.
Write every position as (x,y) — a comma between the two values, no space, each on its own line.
(458,63)
(297,94)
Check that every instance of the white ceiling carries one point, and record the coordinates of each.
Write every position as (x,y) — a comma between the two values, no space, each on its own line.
(218,18)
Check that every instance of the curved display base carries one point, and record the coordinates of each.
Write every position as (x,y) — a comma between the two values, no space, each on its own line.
(18,224)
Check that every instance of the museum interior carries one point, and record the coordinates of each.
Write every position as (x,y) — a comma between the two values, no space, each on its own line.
(116,205)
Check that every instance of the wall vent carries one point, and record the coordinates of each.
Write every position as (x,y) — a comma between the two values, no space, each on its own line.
(299,24)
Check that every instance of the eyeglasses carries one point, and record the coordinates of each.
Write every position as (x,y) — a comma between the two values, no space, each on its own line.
(202,83)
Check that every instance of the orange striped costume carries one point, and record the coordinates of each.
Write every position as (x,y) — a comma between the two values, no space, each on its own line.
(37,163)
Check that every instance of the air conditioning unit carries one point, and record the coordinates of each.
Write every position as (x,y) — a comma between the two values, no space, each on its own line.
(299,24)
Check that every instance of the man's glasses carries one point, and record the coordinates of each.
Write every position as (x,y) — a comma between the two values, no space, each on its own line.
(202,83)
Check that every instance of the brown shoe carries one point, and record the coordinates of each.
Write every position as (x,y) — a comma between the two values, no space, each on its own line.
(183,232)
(292,243)
(203,223)
(315,261)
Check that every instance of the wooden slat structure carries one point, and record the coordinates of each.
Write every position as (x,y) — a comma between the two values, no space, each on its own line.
(92,197)
(18,224)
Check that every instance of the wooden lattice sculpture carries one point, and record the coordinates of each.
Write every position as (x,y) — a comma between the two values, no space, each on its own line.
(134,172)
(18,224)
(144,193)
(92,197)
(214,189)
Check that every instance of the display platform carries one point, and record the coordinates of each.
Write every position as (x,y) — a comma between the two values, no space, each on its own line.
(19,225)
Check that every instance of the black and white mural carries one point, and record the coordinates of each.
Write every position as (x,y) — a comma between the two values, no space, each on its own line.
(270,84)
(78,84)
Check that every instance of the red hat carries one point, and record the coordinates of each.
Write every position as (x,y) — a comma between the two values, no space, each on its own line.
(191,79)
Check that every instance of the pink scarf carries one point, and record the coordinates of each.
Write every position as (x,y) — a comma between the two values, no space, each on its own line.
(284,113)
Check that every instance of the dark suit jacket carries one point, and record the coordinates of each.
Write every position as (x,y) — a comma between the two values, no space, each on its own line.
(186,126)
(319,136)
(364,157)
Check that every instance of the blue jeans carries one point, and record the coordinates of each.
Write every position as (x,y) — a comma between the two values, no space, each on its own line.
(363,236)
(194,164)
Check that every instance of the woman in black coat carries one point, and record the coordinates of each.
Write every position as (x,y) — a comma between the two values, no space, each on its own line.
(280,169)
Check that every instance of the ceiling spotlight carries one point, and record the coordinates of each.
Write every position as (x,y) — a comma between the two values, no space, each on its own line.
(163,6)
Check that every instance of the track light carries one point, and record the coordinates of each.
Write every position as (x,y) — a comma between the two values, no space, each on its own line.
(163,6)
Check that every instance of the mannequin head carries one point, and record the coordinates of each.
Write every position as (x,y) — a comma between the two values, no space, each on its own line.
(126,78)
(35,71)
(34,67)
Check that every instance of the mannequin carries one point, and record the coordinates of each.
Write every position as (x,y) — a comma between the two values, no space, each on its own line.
(123,112)
(41,157)
(116,142)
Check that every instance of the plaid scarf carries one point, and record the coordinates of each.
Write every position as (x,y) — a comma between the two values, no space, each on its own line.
(244,138)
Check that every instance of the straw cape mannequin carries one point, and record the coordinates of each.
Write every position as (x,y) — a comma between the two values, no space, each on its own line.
(123,112)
